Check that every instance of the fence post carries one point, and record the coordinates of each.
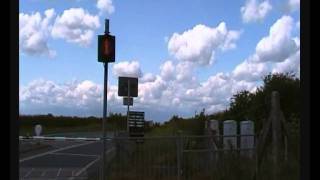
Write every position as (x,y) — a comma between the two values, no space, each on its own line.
(276,130)
(179,154)
(255,175)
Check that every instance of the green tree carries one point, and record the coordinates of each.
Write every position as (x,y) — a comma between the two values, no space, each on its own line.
(240,105)
(256,106)
(289,88)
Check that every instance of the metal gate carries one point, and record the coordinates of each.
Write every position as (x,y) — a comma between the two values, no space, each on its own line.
(178,158)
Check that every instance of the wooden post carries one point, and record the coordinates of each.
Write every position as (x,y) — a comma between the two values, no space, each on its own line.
(179,154)
(275,127)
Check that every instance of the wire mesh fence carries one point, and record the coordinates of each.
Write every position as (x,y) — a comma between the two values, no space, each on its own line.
(166,157)
(161,157)
(174,157)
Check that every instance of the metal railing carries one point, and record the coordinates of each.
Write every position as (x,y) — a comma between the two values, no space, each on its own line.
(160,157)
(173,157)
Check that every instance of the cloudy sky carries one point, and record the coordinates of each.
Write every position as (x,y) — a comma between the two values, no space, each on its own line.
(188,55)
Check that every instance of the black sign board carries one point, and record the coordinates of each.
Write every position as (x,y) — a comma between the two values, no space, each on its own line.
(136,124)
(123,86)
(106,48)
(127,101)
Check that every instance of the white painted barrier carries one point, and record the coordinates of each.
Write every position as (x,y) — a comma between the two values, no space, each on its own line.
(58,138)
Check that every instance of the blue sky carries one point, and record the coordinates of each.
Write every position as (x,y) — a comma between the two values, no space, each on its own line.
(144,29)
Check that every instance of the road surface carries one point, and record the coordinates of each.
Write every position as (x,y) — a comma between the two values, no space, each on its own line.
(73,161)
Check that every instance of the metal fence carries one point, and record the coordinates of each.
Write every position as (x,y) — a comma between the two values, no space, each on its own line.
(162,157)
(177,157)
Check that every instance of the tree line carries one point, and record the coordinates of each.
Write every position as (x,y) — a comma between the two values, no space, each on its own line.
(255,106)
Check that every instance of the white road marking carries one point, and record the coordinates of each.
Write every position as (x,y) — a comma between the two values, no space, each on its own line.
(72,173)
(85,168)
(58,138)
(28,173)
(43,173)
(71,154)
(53,151)
(88,165)
(59,172)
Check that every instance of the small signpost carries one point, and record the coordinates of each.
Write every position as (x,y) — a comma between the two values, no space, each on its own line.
(128,88)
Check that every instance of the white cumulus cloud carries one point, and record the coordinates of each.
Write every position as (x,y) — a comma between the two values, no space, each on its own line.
(76,25)
(71,98)
(167,70)
(44,92)
(129,69)
(291,64)
(250,71)
(279,50)
(199,44)
(279,45)
(150,91)
(105,6)
(298,25)
(34,32)
(148,77)
(293,5)
(184,72)
(253,11)
(215,92)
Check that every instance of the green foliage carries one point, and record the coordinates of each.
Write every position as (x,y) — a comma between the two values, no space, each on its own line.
(240,105)
(117,121)
(289,88)
(256,106)
(56,121)
(59,124)
(188,126)
(62,124)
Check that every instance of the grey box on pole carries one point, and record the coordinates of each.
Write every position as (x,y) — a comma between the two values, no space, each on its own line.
(247,142)
(230,130)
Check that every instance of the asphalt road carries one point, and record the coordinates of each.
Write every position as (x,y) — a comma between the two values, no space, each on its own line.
(76,161)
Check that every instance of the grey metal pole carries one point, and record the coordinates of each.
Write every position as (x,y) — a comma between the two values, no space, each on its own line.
(105,99)
(104,119)
(106,26)
(128,106)
(179,152)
